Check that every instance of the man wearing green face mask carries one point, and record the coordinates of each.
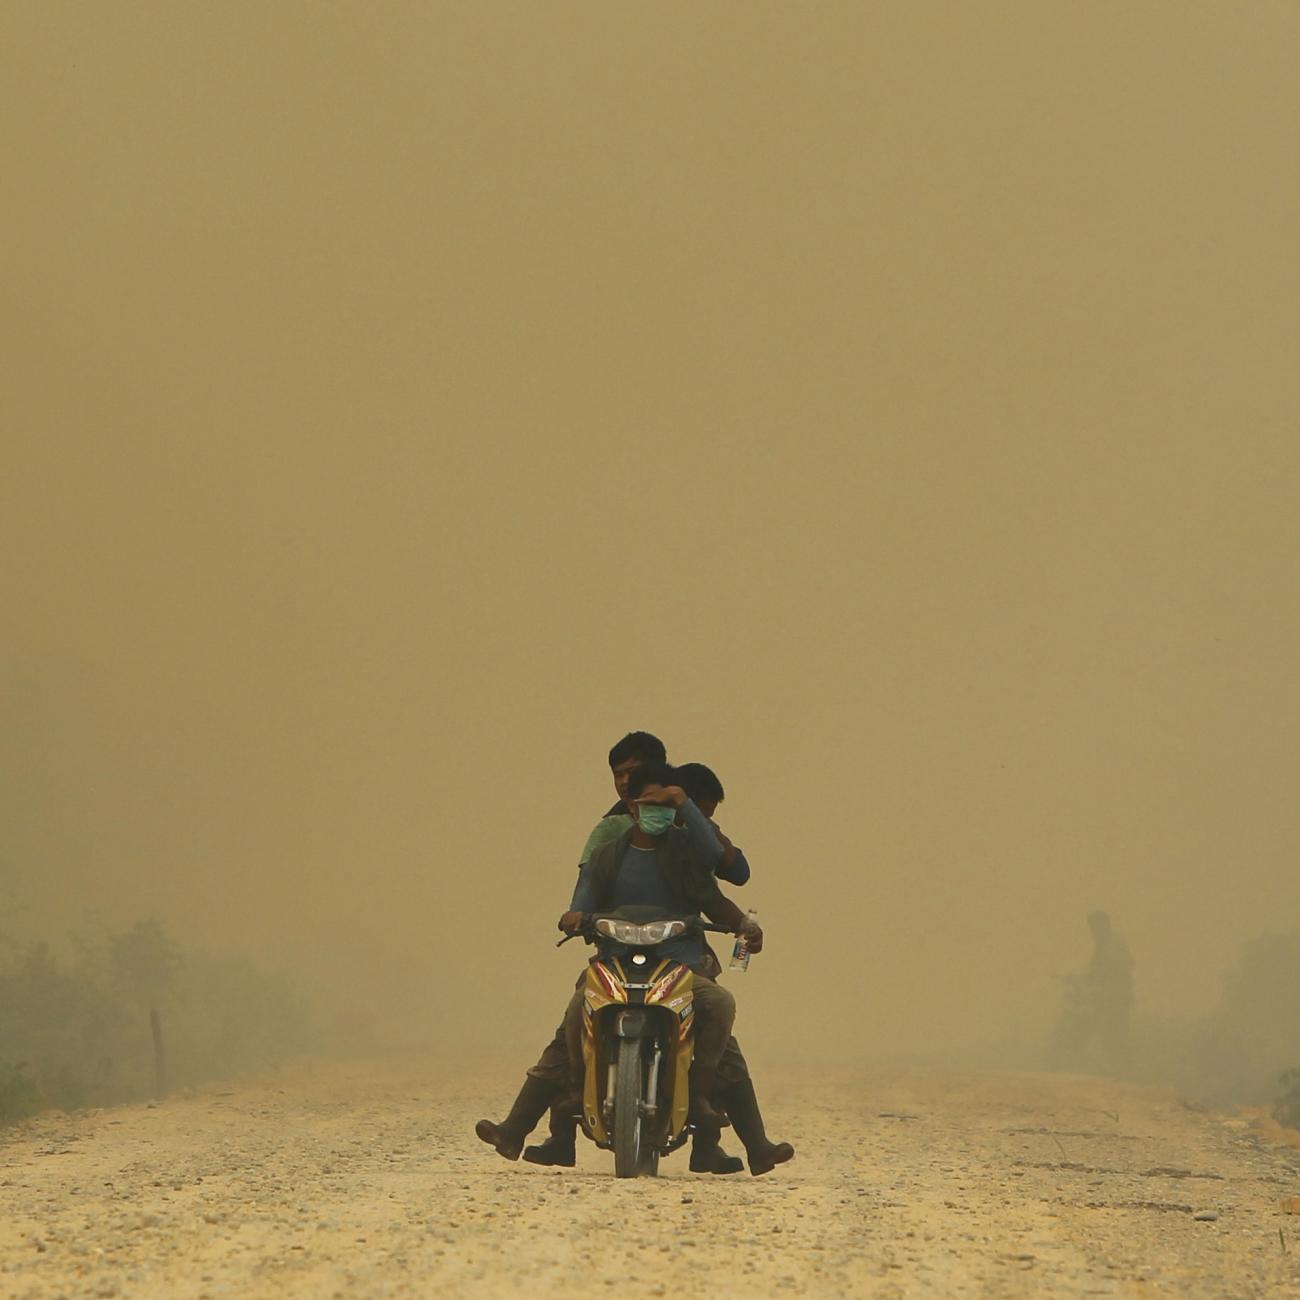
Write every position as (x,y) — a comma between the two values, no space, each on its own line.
(705,790)
(548,1082)
(672,868)
(619,875)
(654,819)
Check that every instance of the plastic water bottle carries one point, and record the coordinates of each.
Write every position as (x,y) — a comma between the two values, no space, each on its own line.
(740,953)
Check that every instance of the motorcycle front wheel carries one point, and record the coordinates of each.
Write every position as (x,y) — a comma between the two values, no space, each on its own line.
(628,1124)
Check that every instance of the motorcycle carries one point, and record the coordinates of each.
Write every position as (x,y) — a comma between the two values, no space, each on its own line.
(638,1037)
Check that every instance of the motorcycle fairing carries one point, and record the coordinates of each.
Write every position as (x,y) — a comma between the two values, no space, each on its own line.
(609,984)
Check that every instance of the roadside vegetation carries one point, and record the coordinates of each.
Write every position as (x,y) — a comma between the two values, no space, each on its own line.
(1252,1038)
(122,1016)
(1245,1050)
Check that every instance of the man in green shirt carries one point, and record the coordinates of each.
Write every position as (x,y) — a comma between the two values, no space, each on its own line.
(548,1085)
(635,748)
(549,1082)
(707,1156)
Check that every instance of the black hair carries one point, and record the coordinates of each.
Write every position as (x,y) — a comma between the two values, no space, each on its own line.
(651,772)
(638,744)
(700,782)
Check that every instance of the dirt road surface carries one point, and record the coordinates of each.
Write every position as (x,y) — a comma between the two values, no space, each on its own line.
(365,1180)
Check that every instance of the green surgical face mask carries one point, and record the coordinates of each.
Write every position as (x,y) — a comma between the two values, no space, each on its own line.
(655,820)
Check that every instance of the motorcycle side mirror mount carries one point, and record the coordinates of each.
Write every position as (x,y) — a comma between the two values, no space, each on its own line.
(582,934)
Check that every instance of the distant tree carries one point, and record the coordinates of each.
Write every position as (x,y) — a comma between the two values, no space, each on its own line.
(145,963)
(72,1028)
(19,1095)
(1249,1039)
(1092,1032)
(1286,1109)
(9,905)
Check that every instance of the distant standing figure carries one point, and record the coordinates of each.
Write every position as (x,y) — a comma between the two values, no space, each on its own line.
(1092,1033)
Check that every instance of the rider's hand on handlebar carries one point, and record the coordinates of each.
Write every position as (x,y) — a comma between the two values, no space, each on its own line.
(571,922)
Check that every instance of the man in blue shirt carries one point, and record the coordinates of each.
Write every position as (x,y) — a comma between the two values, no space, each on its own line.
(705,790)
(670,867)
(643,869)
(715,1007)
(658,864)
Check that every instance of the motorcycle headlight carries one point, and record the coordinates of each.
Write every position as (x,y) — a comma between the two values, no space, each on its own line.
(639,936)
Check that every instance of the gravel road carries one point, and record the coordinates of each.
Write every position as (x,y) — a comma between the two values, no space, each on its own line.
(365,1180)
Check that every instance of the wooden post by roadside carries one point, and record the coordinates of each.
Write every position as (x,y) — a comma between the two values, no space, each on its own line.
(159,1060)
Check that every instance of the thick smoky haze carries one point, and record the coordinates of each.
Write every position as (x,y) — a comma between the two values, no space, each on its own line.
(891,406)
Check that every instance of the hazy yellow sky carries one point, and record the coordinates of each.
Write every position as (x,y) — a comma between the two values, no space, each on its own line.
(892,405)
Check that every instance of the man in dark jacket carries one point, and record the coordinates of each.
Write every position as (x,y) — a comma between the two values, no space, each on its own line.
(656,863)
(704,788)
(667,860)
(613,878)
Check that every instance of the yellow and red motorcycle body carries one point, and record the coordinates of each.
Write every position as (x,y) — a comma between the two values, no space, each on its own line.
(612,985)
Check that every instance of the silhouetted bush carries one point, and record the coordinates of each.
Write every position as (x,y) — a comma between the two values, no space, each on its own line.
(1250,1038)
(230,1017)
(1286,1109)
(19,1096)
(1236,1052)
(62,1023)
(76,1032)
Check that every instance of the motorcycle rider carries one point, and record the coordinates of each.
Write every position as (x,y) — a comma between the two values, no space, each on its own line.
(553,1067)
(723,1071)
(549,1080)
(705,789)
(702,785)
(670,865)
(625,757)
(662,864)
(637,747)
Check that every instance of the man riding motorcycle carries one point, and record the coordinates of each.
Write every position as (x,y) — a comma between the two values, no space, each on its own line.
(660,864)
(704,788)
(654,862)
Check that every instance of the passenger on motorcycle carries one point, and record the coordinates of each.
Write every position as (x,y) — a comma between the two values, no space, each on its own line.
(698,781)
(554,1065)
(547,1083)
(625,757)
(719,1069)
(658,863)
